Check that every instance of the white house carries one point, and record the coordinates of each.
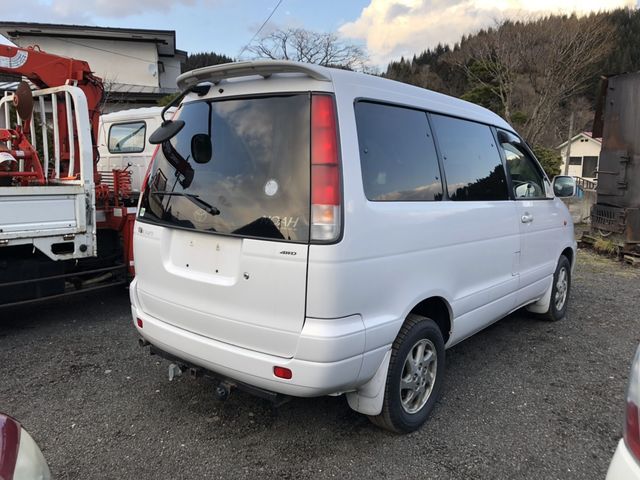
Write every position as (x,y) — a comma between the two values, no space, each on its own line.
(584,155)
(137,66)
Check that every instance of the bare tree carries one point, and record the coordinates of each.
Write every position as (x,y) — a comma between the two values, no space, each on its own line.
(302,45)
(492,60)
(559,62)
(537,66)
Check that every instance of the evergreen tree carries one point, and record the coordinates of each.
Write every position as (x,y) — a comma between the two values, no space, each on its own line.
(204,59)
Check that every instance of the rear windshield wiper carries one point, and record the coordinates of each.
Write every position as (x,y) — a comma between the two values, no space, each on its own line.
(210,209)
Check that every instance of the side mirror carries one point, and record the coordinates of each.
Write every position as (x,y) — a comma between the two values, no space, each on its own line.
(564,186)
(166,131)
(201,149)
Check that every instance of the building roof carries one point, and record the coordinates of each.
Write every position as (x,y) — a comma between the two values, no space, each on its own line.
(588,135)
(164,39)
(115,88)
(126,88)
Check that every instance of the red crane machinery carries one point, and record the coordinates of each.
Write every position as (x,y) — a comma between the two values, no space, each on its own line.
(62,230)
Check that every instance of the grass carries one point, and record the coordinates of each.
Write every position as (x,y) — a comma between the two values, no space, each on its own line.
(607,247)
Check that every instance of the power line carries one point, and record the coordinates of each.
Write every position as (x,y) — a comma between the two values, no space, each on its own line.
(260,29)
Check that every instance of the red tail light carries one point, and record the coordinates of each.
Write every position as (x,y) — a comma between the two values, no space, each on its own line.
(282,372)
(632,422)
(325,170)
(632,430)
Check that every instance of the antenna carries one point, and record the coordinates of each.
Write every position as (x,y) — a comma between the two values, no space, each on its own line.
(260,29)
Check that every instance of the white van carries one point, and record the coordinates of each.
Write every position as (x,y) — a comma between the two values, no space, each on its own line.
(313,231)
(123,142)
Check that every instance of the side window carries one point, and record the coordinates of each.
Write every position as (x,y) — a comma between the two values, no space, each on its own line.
(472,164)
(527,180)
(127,137)
(397,154)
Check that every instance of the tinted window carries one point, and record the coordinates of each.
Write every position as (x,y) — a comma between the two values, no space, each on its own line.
(238,167)
(472,164)
(127,137)
(527,180)
(397,154)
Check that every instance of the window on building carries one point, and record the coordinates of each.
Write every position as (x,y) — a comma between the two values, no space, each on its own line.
(589,166)
(127,137)
(397,154)
(471,160)
(575,160)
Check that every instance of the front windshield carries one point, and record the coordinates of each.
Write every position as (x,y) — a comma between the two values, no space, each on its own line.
(238,167)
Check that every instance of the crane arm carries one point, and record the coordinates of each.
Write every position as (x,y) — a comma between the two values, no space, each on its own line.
(47,70)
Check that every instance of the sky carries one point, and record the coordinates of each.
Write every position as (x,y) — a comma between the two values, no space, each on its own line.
(387,28)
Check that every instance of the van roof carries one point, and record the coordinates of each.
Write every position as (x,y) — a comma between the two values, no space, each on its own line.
(133,114)
(414,96)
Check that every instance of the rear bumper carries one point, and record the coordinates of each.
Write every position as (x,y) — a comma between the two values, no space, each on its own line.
(329,358)
(623,465)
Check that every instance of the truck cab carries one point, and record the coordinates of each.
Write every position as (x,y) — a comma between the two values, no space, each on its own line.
(123,143)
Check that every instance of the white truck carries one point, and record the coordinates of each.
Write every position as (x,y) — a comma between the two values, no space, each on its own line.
(66,218)
(123,143)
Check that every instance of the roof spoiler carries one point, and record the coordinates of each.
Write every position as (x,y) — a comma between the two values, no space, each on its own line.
(264,68)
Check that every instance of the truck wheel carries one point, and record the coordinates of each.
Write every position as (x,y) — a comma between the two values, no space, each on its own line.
(415,376)
(560,291)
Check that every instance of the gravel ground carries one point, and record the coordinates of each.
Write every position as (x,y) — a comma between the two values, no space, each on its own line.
(522,399)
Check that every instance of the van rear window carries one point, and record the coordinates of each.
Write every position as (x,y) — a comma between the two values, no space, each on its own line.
(238,167)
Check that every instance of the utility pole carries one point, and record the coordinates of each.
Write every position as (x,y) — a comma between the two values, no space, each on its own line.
(567,157)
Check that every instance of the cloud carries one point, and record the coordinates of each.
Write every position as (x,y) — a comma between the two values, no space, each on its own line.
(84,11)
(113,8)
(392,28)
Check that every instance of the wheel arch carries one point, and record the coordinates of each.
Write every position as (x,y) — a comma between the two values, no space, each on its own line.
(369,397)
(437,309)
(570,254)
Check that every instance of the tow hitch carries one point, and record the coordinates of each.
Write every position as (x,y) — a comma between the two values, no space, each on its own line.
(223,385)
(223,390)
(174,371)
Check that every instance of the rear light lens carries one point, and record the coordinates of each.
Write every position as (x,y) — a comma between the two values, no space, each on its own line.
(282,372)
(325,170)
(632,424)
(139,322)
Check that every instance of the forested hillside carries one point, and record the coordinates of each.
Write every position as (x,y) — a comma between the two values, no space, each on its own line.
(533,73)
(204,59)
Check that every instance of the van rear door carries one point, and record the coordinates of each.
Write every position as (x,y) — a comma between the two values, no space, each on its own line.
(222,238)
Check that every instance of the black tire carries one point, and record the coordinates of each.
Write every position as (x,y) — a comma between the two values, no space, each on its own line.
(395,416)
(558,312)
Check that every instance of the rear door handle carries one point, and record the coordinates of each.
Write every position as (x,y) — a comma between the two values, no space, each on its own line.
(526,218)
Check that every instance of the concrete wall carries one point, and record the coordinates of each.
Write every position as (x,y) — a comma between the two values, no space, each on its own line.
(134,63)
(580,207)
